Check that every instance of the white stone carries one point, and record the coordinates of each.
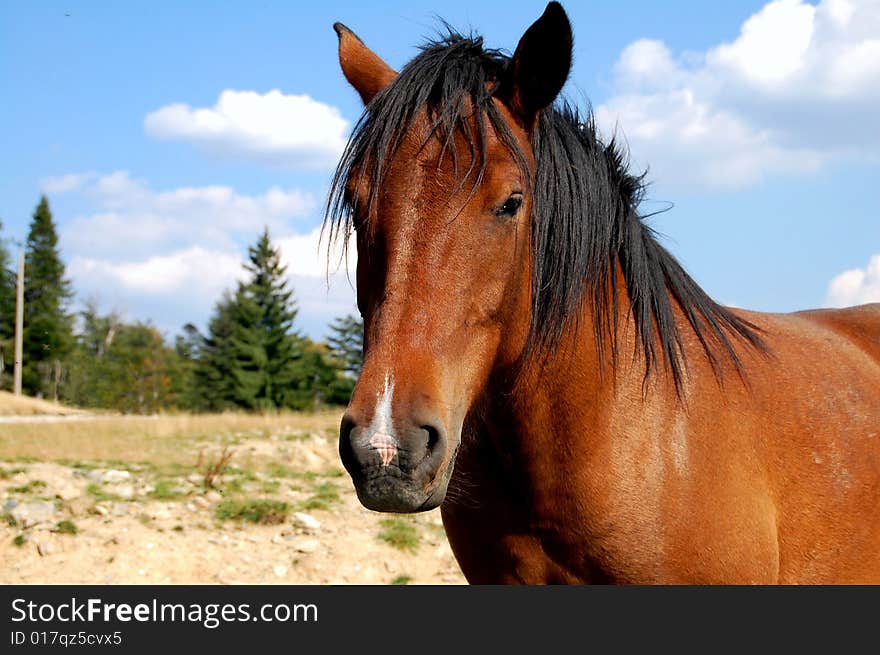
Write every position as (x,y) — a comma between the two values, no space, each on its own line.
(32,513)
(45,548)
(68,492)
(115,475)
(306,521)
(125,491)
(306,545)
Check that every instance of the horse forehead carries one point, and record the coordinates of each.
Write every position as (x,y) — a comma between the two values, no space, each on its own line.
(433,164)
(427,143)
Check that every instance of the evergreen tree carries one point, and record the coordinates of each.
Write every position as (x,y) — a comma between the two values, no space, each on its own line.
(346,342)
(267,347)
(323,381)
(214,371)
(7,314)
(252,357)
(189,344)
(188,347)
(47,327)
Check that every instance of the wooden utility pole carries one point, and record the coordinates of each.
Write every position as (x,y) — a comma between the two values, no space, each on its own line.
(19,325)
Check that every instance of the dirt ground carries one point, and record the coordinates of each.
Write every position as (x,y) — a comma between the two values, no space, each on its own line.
(129,522)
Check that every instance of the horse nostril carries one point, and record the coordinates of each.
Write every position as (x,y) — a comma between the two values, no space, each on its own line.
(346,447)
(433,437)
(345,428)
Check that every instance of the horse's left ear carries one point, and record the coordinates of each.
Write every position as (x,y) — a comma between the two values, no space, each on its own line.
(540,65)
(362,67)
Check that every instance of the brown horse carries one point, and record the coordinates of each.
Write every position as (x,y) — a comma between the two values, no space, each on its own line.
(540,367)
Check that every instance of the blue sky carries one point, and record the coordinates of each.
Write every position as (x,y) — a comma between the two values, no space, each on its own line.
(166,135)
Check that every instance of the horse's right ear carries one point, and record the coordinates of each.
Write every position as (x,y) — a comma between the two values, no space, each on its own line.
(362,67)
(540,65)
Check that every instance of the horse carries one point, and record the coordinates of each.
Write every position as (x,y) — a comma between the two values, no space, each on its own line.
(538,366)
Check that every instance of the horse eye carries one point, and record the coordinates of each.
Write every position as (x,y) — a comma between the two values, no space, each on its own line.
(510,206)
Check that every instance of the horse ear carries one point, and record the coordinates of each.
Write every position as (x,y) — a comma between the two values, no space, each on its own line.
(362,67)
(540,65)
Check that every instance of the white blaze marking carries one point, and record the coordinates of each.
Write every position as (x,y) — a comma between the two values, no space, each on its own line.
(380,427)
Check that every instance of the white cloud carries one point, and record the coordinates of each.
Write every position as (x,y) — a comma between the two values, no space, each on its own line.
(66,183)
(856,286)
(323,286)
(772,45)
(307,254)
(195,270)
(646,61)
(274,128)
(184,286)
(799,86)
(168,290)
(689,142)
(129,219)
(320,301)
(168,255)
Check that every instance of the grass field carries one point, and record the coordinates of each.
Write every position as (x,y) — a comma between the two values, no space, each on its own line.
(11,405)
(158,440)
(39,430)
(181,498)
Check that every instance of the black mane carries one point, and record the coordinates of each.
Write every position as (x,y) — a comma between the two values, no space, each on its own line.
(585,220)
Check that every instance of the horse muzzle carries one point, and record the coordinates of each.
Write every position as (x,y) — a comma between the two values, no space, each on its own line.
(404,468)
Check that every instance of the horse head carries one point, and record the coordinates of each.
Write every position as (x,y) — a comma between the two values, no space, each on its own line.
(436,185)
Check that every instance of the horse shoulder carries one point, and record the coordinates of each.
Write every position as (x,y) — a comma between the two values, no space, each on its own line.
(859,325)
(817,397)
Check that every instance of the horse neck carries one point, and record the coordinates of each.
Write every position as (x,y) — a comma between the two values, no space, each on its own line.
(562,406)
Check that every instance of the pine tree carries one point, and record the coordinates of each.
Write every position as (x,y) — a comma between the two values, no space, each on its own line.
(253,358)
(268,348)
(346,342)
(47,327)
(7,314)
(215,368)
(188,347)
(323,382)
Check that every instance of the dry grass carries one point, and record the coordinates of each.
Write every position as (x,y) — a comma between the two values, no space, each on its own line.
(161,440)
(11,405)
(215,468)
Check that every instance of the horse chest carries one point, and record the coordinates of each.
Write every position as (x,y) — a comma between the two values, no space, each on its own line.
(503,547)
(618,539)
(510,530)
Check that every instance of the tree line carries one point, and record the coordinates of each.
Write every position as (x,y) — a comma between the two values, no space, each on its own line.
(251,357)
